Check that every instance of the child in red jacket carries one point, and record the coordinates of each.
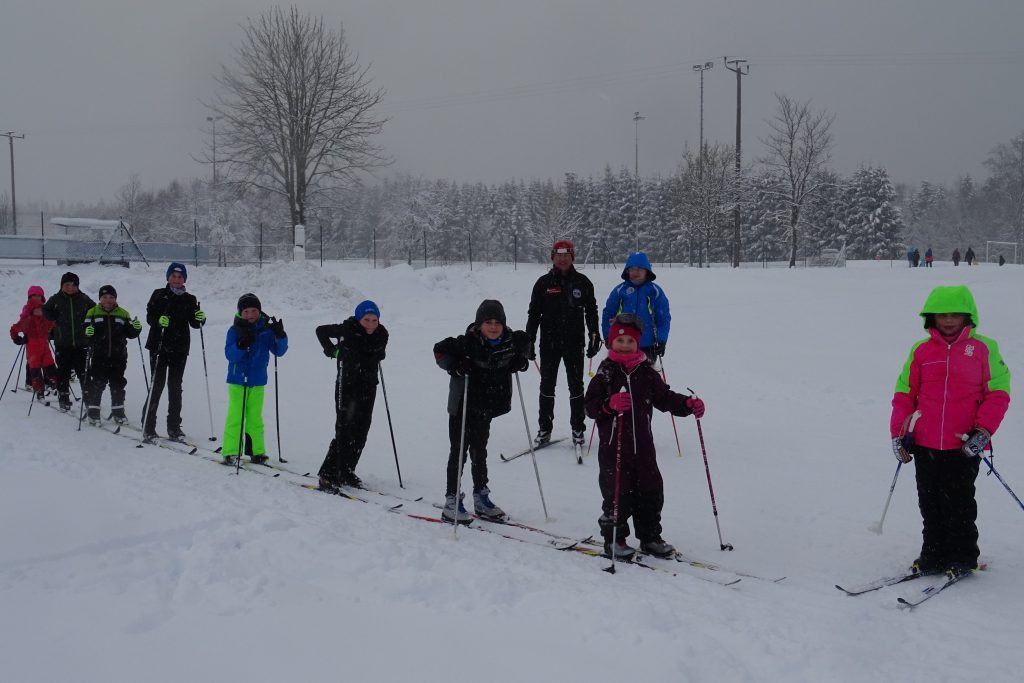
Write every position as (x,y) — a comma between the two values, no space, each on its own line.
(33,330)
(958,381)
(621,398)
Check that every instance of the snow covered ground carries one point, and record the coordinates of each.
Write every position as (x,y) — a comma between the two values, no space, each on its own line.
(127,564)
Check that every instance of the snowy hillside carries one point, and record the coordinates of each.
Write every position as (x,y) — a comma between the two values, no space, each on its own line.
(120,563)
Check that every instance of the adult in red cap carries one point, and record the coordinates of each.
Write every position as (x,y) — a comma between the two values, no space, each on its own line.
(562,302)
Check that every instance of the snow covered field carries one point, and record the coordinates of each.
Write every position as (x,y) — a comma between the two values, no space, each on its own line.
(126,564)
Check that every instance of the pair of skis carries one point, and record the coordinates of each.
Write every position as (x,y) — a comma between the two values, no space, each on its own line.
(577,449)
(938,582)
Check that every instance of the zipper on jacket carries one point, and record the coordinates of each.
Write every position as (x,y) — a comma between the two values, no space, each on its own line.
(945,389)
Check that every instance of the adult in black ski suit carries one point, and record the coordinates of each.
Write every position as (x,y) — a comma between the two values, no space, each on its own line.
(68,308)
(562,301)
(360,346)
(172,314)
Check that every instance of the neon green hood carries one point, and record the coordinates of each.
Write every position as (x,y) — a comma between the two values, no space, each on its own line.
(952,299)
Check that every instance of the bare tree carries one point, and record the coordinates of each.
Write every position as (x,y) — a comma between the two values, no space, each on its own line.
(799,146)
(297,109)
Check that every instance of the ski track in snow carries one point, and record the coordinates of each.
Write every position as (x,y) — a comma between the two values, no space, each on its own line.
(122,564)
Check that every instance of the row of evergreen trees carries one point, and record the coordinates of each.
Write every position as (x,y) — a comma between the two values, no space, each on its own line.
(685,218)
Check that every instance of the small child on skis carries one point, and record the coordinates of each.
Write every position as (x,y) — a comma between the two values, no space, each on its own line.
(958,381)
(360,345)
(107,329)
(248,345)
(481,361)
(620,399)
(33,331)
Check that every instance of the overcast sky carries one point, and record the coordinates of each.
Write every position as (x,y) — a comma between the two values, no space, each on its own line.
(482,90)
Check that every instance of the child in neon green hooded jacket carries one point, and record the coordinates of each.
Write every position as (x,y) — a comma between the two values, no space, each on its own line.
(958,381)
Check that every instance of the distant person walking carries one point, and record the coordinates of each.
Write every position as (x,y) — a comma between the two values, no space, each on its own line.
(928,258)
(969,256)
(1002,261)
(956,256)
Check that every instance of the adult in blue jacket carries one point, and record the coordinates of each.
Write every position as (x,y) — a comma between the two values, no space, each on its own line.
(640,296)
(249,343)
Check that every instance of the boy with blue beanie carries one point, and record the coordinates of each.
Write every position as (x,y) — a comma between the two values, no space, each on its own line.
(359,348)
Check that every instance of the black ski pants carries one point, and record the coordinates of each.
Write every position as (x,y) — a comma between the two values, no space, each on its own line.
(104,371)
(351,425)
(478,431)
(68,359)
(945,495)
(641,491)
(550,357)
(168,368)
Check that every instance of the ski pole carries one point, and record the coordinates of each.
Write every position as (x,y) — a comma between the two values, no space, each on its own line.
(277,414)
(391,428)
(241,426)
(206,375)
(17,361)
(31,403)
(711,489)
(593,428)
(17,380)
(679,449)
(908,426)
(149,392)
(142,358)
(590,367)
(533,453)
(615,496)
(84,381)
(992,470)
(462,446)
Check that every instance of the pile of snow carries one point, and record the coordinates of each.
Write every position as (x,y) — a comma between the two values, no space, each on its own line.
(121,563)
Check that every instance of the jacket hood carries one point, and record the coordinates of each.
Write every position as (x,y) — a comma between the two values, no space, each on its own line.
(951,299)
(36,290)
(638,260)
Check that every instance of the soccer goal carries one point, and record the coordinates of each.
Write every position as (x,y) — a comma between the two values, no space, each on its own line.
(993,250)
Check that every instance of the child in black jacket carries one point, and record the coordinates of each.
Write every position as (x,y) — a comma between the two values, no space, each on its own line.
(481,361)
(108,327)
(360,347)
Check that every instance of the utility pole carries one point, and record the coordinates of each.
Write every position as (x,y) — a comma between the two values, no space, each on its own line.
(213,120)
(701,68)
(636,175)
(738,67)
(10,135)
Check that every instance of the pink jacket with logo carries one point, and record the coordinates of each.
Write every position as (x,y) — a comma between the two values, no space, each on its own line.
(957,386)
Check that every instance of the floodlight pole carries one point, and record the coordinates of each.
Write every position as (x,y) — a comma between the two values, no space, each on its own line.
(740,70)
(636,176)
(10,135)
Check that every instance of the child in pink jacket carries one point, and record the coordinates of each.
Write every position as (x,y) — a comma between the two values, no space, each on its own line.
(958,381)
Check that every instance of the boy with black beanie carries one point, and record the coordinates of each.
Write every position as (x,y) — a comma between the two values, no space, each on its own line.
(108,327)
(171,314)
(67,308)
(480,362)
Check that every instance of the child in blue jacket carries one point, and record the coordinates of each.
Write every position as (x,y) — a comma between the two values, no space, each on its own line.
(638,294)
(249,343)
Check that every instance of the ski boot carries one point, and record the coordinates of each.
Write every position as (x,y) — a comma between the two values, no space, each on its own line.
(453,512)
(258,459)
(542,439)
(658,547)
(64,401)
(93,415)
(486,509)
(175,434)
(349,478)
(118,416)
(623,551)
(578,437)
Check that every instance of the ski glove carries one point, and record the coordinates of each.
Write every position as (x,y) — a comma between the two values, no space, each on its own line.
(164,321)
(277,327)
(532,355)
(696,407)
(244,340)
(594,347)
(901,447)
(136,323)
(331,351)
(621,402)
(462,367)
(520,364)
(19,339)
(658,349)
(89,330)
(975,442)
(200,316)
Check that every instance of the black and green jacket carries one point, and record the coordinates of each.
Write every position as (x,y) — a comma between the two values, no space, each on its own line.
(68,312)
(111,332)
